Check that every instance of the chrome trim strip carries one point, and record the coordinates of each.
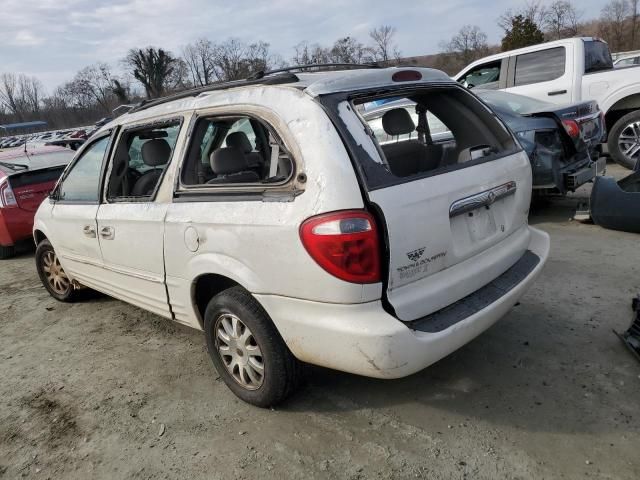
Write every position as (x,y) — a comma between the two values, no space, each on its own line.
(482,199)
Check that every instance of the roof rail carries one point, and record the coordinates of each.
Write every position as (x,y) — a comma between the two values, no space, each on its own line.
(316,66)
(194,92)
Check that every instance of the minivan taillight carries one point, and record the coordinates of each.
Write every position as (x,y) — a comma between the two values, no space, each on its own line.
(345,244)
(7,198)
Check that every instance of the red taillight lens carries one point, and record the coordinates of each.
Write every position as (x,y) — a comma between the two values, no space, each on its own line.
(572,128)
(7,198)
(345,244)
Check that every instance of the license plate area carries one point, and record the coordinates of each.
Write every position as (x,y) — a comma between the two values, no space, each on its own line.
(481,223)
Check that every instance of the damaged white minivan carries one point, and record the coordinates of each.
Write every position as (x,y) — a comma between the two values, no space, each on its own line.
(290,226)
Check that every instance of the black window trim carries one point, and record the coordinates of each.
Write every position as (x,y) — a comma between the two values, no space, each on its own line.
(111,134)
(223,192)
(156,123)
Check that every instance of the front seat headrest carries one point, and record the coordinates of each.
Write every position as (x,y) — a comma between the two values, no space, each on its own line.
(156,152)
(225,161)
(398,122)
(240,141)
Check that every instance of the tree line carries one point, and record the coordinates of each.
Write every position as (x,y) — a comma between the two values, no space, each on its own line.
(151,72)
(536,22)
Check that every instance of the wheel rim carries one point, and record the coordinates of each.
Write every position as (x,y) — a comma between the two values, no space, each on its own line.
(629,141)
(57,279)
(239,351)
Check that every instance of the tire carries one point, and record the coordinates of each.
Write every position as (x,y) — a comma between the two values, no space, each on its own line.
(625,136)
(56,282)
(7,252)
(242,342)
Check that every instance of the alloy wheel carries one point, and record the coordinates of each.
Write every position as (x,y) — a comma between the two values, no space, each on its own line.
(57,279)
(629,141)
(239,351)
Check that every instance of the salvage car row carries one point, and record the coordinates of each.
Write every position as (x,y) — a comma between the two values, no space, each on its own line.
(379,211)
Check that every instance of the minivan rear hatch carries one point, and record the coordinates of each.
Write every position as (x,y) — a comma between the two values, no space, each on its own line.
(449,183)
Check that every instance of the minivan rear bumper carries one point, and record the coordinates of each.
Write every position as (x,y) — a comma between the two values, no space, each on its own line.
(364,339)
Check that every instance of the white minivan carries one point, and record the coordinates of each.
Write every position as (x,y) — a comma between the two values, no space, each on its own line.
(267,213)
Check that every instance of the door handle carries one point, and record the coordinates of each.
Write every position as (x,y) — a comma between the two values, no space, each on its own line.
(89,231)
(556,92)
(482,199)
(108,233)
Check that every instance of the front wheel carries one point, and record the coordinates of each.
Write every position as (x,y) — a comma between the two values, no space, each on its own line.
(247,350)
(624,140)
(52,275)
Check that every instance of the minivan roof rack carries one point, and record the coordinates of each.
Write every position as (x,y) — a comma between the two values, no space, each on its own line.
(318,67)
(194,92)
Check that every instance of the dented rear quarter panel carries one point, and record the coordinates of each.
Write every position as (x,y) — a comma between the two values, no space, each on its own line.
(255,241)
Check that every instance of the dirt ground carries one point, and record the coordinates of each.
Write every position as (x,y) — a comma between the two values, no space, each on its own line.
(101,389)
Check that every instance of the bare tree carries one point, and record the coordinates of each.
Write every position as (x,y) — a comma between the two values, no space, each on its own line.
(633,6)
(30,92)
(562,20)
(348,50)
(152,68)
(384,49)
(235,60)
(9,94)
(96,83)
(613,19)
(469,44)
(199,58)
(310,54)
(533,10)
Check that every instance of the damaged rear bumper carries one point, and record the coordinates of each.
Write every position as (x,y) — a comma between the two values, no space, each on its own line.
(364,339)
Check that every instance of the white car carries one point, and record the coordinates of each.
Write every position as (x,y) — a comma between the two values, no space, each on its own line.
(567,71)
(266,213)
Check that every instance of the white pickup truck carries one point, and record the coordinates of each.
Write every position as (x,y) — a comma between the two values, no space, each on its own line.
(567,71)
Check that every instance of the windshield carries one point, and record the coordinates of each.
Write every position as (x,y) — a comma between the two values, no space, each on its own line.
(513,103)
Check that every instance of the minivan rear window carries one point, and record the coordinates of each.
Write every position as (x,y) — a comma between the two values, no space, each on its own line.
(422,133)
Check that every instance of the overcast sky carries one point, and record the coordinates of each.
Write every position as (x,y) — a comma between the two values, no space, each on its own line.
(53,39)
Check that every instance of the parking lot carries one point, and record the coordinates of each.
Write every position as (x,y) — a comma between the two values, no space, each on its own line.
(100,389)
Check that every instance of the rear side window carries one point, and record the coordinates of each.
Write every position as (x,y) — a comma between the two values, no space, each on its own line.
(597,57)
(541,66)
(425,133)
(235,150)
(139,162)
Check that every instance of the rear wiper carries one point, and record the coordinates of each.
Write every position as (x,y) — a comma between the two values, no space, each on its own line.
(14,166)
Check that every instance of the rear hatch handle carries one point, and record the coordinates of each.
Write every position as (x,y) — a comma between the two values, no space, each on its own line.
(482,199)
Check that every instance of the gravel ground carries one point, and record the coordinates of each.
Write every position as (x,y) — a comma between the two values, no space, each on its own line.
(101,389)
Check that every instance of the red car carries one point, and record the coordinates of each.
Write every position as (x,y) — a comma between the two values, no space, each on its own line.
(26,178)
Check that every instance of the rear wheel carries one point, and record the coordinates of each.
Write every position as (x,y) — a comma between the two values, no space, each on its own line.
(7,252)
(624,140)
(247,350)
(52,275)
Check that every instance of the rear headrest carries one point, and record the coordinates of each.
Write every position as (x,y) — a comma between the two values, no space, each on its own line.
(397,122)
(156,152)
(240,141)
(225,161)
